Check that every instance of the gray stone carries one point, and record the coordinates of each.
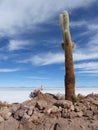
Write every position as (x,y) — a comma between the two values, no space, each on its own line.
(83,127)
(41,104)
(1,119)
(65,115)
(10,124)
(95,102)
(26,116)
(88,113)
(77,109)
(5,113)
(14,108)
(73,114)
(72,108)
(79,114)
(36,117)
(52,109)
(30,111)
(64,103)
(19,114)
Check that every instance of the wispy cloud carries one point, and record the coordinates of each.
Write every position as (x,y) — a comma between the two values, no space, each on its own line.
(6,70)
(45,59)
(78,23)
(81,56)
(3,56)
(93,26)
(18,44)
(37,77)
(17,15)
(57,58)
(87,66)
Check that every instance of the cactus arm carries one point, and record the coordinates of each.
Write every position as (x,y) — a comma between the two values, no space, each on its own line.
(64,21)
(67,38)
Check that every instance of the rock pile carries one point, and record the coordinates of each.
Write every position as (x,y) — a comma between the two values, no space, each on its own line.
(51,113)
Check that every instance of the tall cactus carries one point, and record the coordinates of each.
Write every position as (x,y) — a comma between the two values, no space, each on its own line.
(68,46)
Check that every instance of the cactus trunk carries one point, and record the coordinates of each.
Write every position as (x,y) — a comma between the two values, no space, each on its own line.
(69,66)
(69,77)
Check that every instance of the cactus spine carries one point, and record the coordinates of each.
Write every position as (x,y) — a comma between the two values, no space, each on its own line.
(68,46)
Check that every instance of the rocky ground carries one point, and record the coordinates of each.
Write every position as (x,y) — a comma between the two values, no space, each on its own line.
(51,113)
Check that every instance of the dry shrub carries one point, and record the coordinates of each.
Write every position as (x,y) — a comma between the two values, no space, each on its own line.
(78,98)
(4,104)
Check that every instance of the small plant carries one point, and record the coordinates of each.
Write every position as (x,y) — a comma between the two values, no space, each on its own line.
(4,104)
(36,92)
(78,98)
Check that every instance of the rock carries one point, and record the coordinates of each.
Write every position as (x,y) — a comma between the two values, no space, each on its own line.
(72,108)
(49,98)
(6,117)
(5,113)
(64,103)
(19,114)
(52,109)
(10,124)
(30,112)
(79,114)
(14,108)
(73,114)
(47,124)
(1,119)
(60,124)
(93,108)
(36,117)
(77,109)
(26,116)
(41,104)
(80,107)
(83,127)
(95,117)
(57,126)
(50,113)
(65,115)
(93,126)
(26,125)
(88,113)
(95,102)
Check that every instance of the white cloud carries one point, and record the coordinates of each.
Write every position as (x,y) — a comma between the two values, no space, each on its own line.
(3,56)
(16,14)
(80,56)
(18,44)
(36,78)
(93,26)
(87,66)
(45,59)
(90,68)
(78,23)
(56,58)
(48,58)
(92,45)
(6,70)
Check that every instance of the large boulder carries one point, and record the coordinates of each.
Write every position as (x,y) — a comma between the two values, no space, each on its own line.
(18,115)
(41,104)
(64,103)
(52,109)
(10,124)
(37,118)
(1,119)
(5,113)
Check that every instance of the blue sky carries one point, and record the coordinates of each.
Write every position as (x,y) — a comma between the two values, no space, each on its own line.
(30,42)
